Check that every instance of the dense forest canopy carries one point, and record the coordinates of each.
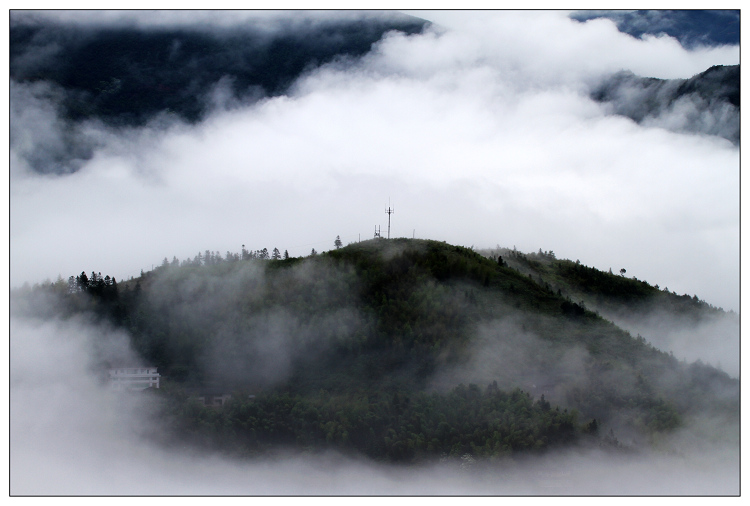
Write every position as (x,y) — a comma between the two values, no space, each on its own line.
(386,366)
(402,350)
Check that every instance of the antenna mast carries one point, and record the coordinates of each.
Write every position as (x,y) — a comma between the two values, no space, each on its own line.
(389,212)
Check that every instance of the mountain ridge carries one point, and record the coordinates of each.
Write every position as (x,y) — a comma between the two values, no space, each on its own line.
(389,320)
(708,102)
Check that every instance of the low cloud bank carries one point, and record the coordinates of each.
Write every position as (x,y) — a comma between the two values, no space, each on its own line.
(707,103)
(72,435)
(713,339)
(480,132)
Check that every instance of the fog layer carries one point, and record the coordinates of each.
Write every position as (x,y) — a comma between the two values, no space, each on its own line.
(72,435)
(481,131)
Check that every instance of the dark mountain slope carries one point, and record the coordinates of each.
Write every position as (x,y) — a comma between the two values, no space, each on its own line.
(683,324)
(693,27)
(125,75)
(707,103)
(370,347)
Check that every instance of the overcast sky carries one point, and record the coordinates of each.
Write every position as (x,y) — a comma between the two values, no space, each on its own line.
(480,133)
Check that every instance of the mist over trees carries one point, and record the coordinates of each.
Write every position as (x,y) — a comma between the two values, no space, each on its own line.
(685,325)
(707,103)
(400,350)
(389,366)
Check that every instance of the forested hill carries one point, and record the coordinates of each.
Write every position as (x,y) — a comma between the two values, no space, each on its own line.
(599,288)
(689,326)
(400,349)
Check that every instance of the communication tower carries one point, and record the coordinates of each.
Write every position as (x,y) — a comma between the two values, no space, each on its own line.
(389,212)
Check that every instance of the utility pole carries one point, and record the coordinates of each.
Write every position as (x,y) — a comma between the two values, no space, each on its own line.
(389,212)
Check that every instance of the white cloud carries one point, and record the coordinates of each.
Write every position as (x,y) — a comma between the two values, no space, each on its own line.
(72,435)
(481,135)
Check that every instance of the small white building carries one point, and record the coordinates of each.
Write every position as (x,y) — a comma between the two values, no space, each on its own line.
(134,378)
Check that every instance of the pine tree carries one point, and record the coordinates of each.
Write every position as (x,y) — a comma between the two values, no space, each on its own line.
(83,282)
